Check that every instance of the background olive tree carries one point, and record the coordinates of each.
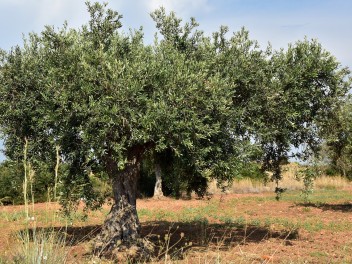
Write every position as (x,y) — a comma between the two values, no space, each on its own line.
(338,141)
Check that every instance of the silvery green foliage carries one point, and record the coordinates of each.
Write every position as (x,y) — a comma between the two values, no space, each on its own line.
(98,92)
(308,174)
(338,139)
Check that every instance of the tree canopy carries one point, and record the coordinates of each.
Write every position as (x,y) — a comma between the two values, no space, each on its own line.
(212,102)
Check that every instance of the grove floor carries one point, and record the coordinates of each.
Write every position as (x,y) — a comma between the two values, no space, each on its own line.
(228,228)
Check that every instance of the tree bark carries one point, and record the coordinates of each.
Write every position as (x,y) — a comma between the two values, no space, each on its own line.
(120,234)
(158,192)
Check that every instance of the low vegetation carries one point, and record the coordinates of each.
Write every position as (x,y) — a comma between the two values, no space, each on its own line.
(228,228)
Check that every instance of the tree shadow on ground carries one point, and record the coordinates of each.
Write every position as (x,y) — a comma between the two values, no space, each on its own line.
(72,235)
(343,207)
(175,238)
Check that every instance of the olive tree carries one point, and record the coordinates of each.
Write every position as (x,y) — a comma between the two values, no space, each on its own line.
(338,140)
(294,104)
(104,99)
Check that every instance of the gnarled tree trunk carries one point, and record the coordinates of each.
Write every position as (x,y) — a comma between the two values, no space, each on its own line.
(158,192)
(119,236)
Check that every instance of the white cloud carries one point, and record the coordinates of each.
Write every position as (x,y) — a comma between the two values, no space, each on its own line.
(55,12)
(182,7)
(12,2)
(51,12)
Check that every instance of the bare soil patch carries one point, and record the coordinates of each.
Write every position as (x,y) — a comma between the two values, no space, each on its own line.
(231,228)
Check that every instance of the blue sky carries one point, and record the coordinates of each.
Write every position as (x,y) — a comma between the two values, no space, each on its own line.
(276,21)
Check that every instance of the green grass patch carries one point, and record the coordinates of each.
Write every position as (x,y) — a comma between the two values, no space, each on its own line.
(319,254)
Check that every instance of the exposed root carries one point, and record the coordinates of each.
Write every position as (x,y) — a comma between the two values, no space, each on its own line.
(119,238)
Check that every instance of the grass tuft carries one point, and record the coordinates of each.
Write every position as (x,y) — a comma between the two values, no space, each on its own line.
(41,247)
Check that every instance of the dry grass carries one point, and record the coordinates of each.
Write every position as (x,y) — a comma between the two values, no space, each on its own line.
(289,182)
(38,246)
(337,182)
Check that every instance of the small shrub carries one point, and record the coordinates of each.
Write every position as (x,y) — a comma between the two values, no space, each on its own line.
(330,171)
